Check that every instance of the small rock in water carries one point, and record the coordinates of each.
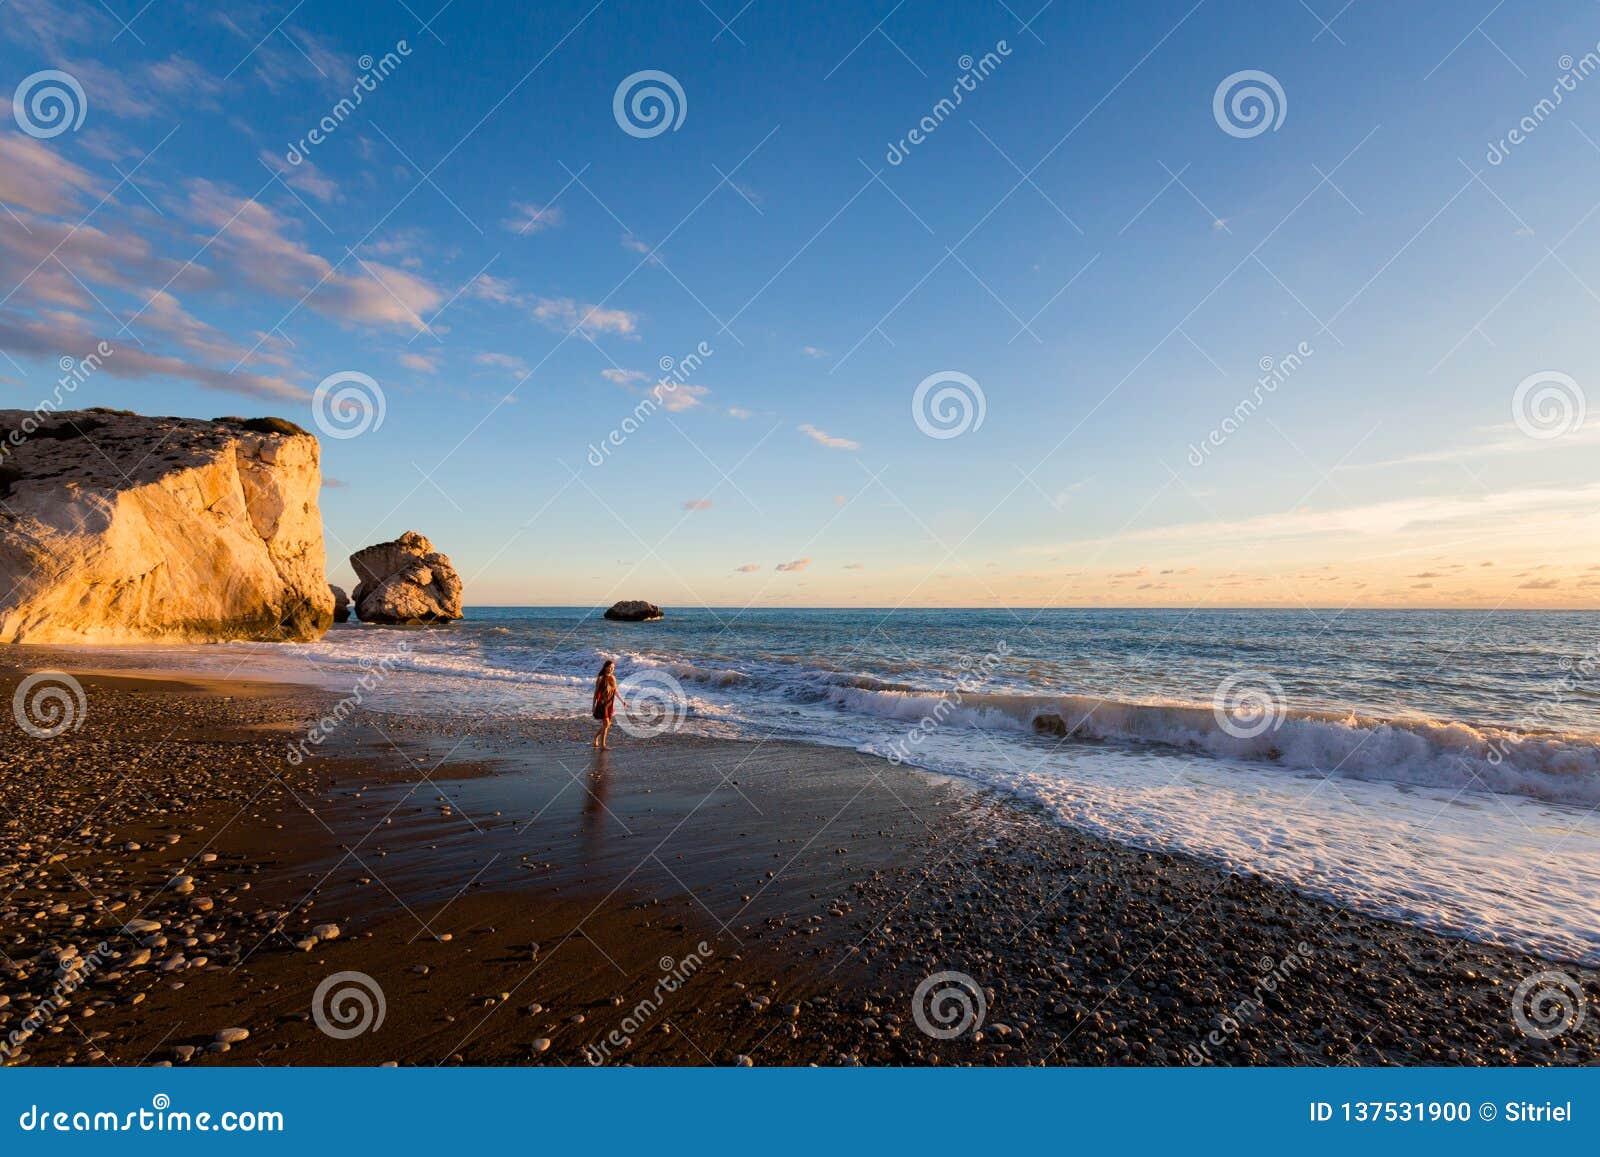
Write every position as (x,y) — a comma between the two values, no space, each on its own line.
(540,1045)
(232,1036)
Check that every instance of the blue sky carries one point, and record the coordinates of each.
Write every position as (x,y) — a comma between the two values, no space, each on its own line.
(1080,237)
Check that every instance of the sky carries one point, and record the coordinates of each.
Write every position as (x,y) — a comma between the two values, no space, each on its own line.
(1096,334)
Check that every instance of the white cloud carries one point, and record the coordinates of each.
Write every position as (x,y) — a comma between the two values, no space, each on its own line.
(503,362)
(39,178)
(831,441)
(419,362)
(680,396)
(305,176)
(794,564)
(531,217)
(1495,441)
(564,313)
(256,241)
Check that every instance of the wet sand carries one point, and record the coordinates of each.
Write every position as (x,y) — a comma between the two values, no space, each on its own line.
(506,896)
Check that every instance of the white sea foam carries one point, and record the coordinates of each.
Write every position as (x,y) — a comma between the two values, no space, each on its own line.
(1477,828)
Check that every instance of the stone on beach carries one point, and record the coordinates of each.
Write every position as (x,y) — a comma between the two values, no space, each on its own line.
(341,604)
(633,611)
(405,581)
(120,528)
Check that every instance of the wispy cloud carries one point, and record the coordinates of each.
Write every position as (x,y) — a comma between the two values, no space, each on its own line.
(563,313)
(831,441)
(793,564)
(502,362)
(698,504)
(747,568)
(531,217)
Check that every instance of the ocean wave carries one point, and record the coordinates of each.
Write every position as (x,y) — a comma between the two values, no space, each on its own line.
(1550,766)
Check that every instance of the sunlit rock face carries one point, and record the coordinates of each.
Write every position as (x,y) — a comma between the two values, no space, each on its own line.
(117,528)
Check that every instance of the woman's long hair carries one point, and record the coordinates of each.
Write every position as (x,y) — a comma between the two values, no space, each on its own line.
(606,668)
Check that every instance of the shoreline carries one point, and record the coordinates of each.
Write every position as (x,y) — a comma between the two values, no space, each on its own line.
(811,889)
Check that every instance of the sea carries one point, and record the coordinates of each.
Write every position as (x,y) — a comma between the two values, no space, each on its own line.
(1434,767)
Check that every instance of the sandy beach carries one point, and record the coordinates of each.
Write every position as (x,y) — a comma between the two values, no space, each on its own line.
(496,894)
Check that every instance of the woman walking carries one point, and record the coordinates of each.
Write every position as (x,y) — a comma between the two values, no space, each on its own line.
(605,702)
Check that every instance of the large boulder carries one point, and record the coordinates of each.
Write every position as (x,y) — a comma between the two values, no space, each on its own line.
(120,528)
(633,611)
(341,604)
(405,581)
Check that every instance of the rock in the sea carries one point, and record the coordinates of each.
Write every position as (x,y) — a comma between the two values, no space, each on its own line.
(341,604)
(117,528)
(633,611)
(405,581)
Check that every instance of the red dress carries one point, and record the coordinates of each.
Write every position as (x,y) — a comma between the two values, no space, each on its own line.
(605,699)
